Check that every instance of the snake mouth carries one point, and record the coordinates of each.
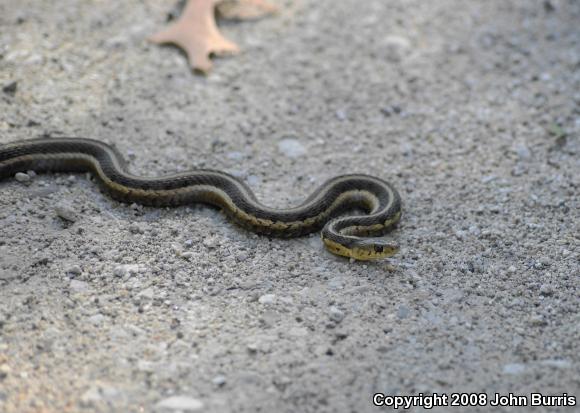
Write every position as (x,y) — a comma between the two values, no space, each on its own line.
(373,249)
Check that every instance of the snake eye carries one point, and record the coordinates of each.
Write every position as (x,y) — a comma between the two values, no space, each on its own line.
(378,248)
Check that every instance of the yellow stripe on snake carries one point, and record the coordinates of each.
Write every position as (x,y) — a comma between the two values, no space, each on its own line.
(354,236)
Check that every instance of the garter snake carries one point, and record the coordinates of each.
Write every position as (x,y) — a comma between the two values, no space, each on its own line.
(354,236)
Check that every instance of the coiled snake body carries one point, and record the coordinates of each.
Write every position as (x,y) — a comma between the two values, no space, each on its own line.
(347,236)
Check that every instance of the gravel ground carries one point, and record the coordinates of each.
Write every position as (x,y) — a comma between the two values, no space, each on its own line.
(470,108)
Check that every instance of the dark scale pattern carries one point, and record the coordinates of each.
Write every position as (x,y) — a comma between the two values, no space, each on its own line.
(331,199)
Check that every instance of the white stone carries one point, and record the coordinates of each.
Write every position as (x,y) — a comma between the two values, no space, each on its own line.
(183,403)
(267,299)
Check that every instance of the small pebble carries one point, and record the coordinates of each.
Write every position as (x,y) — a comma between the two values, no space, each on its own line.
(219,381)
(298,332)
(267,299)
(74,270)
(135,229)
(519,170)
(91,396)
(336,283)
(78,286)
(125,269)
(397,46)
(120,271)
(253,180)
(546,262)
(22,177)
(335,314)
(181,403)
(242,256)
(488,178)
(96,319)
(65,212)
(460,235)
(4,372)
(546,289)
(148,293)
(210,242)
(537,320)
(514,368)
(523,152)
(235,156)
(557,364)
(187,255)
(403,312)
(11,88)
(474,230)
(292,148)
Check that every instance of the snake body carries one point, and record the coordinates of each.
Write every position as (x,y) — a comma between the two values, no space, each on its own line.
(350,236)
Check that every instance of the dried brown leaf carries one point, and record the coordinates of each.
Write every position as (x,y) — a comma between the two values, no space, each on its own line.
(196,32)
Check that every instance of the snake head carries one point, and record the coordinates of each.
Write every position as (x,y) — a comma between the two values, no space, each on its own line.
(372,249)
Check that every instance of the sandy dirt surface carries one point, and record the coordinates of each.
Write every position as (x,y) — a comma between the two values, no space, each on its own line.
(471,108)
